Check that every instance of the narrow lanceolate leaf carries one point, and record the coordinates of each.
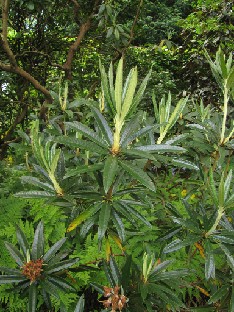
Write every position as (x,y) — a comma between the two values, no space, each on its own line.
(212,189)
(82,169)
(138,174)
(87,132)
(16,255)
(130,128)
(127,140)
(229,256)
(115,271)
(130,87)
(110,170)
(53,250)
(38,242)
(133,213)
(54,161)
(119,86)
(184,164)
(80,305)
(22,240)
(32,298)
(178,243)
(77,143)
(62,265)
(227,184)
(9,279)
(209,261)
(104,218)
(103,125)
(50,288)
(161,148)
(219,294)
(140,92)
(137,154)
(61,283)
(35,194)
(119,225)
(36,182)
(221,191)
(83,216)
(87,225)
(10,271)
(105,89)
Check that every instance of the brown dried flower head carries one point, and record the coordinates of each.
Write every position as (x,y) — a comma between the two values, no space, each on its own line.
(115,301)
(32,269)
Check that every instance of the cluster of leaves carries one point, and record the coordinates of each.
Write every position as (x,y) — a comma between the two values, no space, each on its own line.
(117,176)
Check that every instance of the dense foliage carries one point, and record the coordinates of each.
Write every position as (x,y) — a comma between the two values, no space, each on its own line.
(116,178)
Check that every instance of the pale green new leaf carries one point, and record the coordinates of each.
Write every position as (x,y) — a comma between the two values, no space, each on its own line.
(119,86)
(130,90)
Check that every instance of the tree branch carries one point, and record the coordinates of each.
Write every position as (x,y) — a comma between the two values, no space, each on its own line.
(13,66)
(67,66)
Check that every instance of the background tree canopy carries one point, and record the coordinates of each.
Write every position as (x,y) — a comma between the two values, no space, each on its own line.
(44,40)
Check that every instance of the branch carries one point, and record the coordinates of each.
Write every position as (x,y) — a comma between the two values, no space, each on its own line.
(67,66)
(5,45)
(13,66)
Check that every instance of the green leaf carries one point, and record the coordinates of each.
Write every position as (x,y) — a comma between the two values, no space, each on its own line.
(80,305)
(209,261)
(228,255)
(139,95)
(83,216)
(54,161)
(37,182)
(134,153)
(221,191)
(129,139)
(38,242)
(98,287)
(32,298)
(16,255)
(212,189)
(115,271)
(10,271)
(50,288)
(178,243)
(104,217)
(34,194)
(119,86)
(110,170)
(103,125)
(118,225)
(219,294)
(133,213)
(61,283)
(227,185)
(138,174)
(9,279)
(87,225)
(60,266)
(87,132)
(161,148)
(105,90)
(77,143)
(184,164)
(22,240)
(128,93)
(53,250)
(82,169)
